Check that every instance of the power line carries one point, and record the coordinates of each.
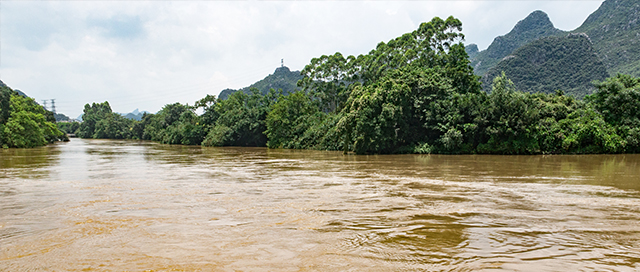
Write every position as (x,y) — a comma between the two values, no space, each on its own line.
(53,105)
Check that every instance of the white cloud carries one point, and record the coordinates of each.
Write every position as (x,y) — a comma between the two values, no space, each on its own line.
(148,54)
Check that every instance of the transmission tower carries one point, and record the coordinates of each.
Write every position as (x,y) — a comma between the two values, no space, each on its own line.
(53,106)
(44,102)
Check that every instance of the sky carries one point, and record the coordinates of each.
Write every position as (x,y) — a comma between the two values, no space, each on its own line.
(146,54)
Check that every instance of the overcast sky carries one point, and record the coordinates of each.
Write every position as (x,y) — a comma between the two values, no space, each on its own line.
(144,55)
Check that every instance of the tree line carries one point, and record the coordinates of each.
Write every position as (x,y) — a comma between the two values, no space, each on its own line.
(24,123)
(414,94)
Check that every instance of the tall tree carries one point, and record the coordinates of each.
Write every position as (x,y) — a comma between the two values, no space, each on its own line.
(330,79)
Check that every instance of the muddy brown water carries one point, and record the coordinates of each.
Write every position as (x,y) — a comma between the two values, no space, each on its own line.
(104,205)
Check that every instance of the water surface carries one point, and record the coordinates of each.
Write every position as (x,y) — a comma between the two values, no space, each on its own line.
(103,205)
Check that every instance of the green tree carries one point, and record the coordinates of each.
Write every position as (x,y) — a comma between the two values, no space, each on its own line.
(174,124)
(331,79)
(113,126)
(99,122)
(588,133)
(68,127)
(241,120)
(289,119)
(92,114)
(5,113)
(27,126)
(5,104)
(618,100)
(207,104)
(187,130)
(512,120)
(376,116)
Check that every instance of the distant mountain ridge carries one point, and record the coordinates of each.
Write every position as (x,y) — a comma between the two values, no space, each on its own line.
(134,115)
(282,78)
(568,63)
(61,117)
(15,90)
(535,26)
(610,38)
(614,30)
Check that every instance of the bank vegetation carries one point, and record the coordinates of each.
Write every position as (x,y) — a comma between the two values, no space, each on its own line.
(414,94)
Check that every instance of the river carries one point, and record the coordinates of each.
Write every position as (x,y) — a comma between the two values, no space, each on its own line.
(106,205)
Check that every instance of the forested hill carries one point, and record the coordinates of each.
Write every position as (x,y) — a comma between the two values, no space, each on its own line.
(610,38)
(282,78)
(614,30)
(24,123)
(2,85)
(568,63)
(536,25)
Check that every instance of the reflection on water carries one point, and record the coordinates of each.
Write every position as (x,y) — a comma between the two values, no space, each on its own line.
(33,162)
(128,205)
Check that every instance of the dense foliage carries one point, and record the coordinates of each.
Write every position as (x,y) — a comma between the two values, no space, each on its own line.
(68,127)
(24,123)
(414,94)
(239,120)
(618,101)
(100,122)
